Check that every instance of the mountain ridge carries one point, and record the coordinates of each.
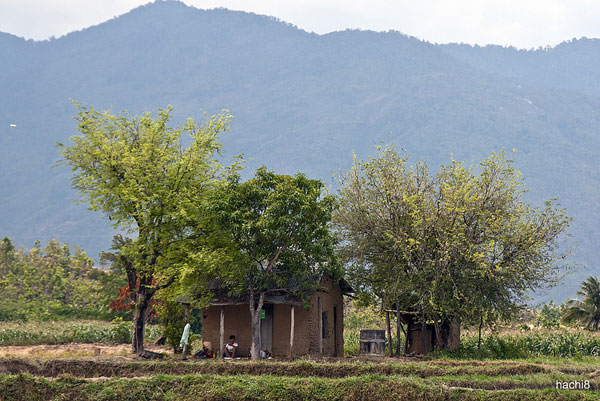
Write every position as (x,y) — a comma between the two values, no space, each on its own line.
(301,101)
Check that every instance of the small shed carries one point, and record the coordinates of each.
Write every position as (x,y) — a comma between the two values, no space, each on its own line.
(287,328)
(421,337)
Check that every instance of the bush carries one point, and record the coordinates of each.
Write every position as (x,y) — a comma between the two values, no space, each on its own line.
(351,343)
(11,312)
(172,321)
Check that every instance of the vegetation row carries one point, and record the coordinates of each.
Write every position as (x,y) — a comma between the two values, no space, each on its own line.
(118,332)
(244,387)
(111,368)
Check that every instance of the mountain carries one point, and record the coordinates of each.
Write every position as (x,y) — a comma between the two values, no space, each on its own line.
(302,102)
(572,66)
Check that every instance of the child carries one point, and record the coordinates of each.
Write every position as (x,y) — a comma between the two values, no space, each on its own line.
(230,348)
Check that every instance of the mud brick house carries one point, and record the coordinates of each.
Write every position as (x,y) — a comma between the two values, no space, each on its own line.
(287,328)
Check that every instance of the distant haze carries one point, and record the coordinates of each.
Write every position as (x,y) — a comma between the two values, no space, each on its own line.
(520,23)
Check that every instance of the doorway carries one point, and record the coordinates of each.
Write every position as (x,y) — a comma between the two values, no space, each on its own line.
(266,328)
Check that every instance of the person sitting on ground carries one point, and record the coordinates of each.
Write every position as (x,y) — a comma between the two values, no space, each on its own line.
(204,353)
(230,348)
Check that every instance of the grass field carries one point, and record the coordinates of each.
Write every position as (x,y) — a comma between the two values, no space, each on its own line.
(87,379)
(39,361)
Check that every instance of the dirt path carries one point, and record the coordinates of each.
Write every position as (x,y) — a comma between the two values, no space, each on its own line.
(71,351)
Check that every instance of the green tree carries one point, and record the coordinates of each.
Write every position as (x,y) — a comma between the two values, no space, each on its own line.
(280,227)
(586,311)
(136,170)
(454,246)
(10,274)
(7,255)
(549,316)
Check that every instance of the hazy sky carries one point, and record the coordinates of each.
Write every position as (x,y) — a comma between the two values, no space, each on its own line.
(521,23)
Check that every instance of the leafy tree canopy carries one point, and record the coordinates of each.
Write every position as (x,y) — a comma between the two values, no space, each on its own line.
(136,170)
(454,245)
(280,227)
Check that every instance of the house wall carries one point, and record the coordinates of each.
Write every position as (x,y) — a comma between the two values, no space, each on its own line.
(306,325)
(237,323)
(332,297)
(281,330)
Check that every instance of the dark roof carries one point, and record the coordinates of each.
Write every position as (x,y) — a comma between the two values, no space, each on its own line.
(223,297)
(345,287)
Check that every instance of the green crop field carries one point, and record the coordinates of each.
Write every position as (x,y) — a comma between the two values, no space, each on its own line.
(72,331)
(26,379)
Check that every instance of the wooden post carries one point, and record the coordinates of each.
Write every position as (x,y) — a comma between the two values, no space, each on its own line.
(320,325)
(389,333)
(407,333)
(291,330)
(424,334)
(398,329)
(222,332)
(480,327)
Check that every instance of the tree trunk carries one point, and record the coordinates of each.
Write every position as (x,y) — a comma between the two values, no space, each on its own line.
(454,335)
(255,321)
(139,324)
(389,333)
(440,342)
(137,294)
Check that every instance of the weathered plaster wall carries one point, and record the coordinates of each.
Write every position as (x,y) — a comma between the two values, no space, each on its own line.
(306,325)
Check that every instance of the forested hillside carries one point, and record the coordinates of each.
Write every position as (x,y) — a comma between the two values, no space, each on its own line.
(53,283)
(302,102)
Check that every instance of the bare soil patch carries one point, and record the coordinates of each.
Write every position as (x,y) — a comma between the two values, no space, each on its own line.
(72,350)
